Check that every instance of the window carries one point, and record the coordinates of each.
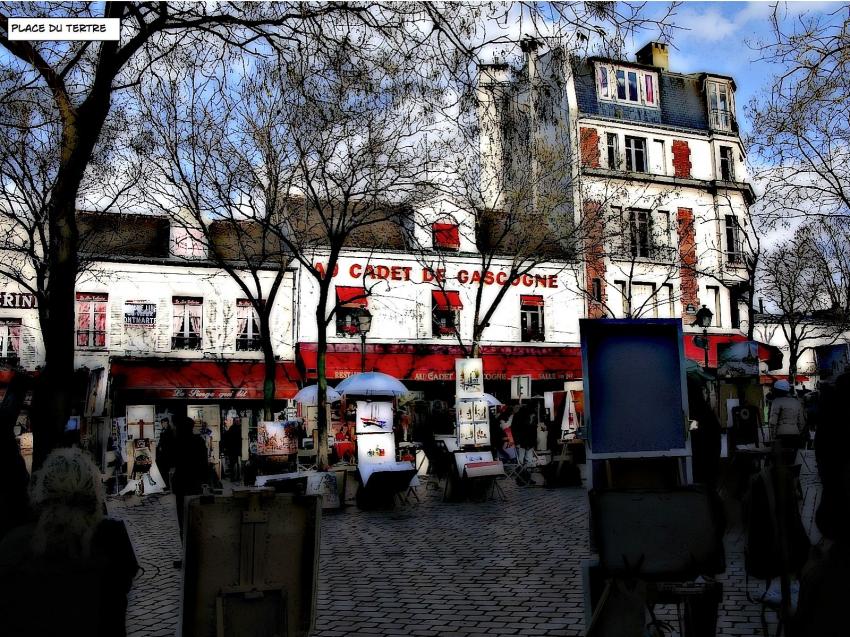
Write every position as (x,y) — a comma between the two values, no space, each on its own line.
(188,243)
(633,86)
(636,154)
(666,305)
(643,302)
(531,318)
(91,319)
(186,325)
(613,151)
(734,249)
(445,310)
(714,304)
(720,105)
(446,236)
(727,165)
(596,290)
(10,339)
(248,326)
(659,158)
(639,234)
(735,306)
(350,301)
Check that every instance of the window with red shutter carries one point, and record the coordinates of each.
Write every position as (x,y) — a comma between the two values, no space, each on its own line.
(446,236)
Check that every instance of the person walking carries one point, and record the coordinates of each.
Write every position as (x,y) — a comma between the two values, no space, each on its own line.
(69,571)
(706,437)
(191,465)
(165,451)
(787,420)
(525,436)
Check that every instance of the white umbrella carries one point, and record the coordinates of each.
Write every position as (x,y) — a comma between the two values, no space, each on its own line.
(310,395)
(492,401)
(371,384)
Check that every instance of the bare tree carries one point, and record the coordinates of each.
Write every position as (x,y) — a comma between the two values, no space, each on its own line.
(798,301)
(800,130)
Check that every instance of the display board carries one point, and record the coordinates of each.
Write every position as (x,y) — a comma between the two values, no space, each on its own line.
(473,422)
(635,397)
(375,448)
(469,377)
(738,360)
(276,438)
(833,360)
(140,421)
(374,417)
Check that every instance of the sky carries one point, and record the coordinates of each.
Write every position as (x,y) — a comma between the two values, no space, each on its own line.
(721,37)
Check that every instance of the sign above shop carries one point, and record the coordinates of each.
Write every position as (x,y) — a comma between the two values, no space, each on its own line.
(139,314)
(19,300)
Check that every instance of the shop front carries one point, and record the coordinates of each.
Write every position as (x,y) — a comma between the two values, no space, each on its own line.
(217,395)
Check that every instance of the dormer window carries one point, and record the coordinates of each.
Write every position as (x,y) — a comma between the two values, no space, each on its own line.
(188,243)
(633,86)
(721,111)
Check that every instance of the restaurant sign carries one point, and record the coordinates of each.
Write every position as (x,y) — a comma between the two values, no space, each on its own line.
(20,300)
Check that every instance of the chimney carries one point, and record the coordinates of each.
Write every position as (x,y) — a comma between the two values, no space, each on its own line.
(654,54)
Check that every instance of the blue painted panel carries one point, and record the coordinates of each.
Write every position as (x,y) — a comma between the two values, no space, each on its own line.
(634,385)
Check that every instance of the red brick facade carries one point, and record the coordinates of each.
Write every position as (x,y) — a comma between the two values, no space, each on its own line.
(590,147)
(594,257)
(688,260)
(681,159)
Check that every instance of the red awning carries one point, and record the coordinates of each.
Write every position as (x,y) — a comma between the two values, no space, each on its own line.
(437,362)
(446,235)
(351,297)
(769,379)
(202,380)
(448,300)
(767,353)
(531,299)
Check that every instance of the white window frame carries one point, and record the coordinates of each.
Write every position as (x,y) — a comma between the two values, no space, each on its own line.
(92,332)
(607,79)
(612,151)
(185,332)
(8,351)
(734,247)
(529,310)
(632,154)
(252,338)
(720,118)
(730,161)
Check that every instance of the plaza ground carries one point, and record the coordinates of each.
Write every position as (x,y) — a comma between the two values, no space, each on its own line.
(436,569)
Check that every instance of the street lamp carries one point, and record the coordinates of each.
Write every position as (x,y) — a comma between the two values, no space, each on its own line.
(364,324)
(703,319)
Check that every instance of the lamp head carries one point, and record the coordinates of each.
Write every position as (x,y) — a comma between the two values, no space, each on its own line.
(704,316)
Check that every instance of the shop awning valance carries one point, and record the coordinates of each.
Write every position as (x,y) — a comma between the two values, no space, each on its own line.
(531,299)
(448,300)
(446,235)
(351,297)
(202,380)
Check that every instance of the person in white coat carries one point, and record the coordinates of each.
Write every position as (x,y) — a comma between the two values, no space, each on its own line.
(787,419)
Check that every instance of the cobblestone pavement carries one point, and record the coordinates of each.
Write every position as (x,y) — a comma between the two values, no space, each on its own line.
(435,569)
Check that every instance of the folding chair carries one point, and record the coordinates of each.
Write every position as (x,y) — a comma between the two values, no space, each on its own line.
(306,460)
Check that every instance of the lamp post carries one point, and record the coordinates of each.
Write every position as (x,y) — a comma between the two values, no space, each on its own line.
(364,324)
(703,319)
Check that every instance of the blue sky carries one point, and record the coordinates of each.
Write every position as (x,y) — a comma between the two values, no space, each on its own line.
(720,37)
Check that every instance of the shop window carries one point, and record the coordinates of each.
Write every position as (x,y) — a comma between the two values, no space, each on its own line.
(734,248)
(186,326)
(531,318)
(350,302)
(635,154)
(727,165)
(91,319)
(10,340)
(445,310)
(248,327)
(446,236)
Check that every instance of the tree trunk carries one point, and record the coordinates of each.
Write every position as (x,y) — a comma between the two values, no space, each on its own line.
(322,452)
(269,372)
(792,366)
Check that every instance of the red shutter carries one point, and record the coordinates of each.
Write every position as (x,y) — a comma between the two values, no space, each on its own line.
(449,300)
(351,297)
(531,299)
(446,235)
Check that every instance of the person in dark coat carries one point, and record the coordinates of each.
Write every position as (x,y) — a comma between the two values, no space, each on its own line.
(68,572)
(524,430)
(233,449)
(165,452)
(705,439)
(191,465)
